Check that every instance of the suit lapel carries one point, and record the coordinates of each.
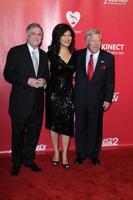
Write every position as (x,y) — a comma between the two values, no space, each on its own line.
(98,64)
(28,59)
(40,61)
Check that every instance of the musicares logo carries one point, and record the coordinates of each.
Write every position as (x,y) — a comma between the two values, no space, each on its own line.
(115,97)
(73,17)
(120,2)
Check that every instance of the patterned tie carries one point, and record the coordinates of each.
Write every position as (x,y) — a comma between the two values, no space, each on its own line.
(35,61)
(90,69)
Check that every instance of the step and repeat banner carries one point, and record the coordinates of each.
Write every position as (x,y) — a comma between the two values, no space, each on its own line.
(113,17)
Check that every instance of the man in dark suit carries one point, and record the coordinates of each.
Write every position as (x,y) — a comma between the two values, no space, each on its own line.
(28,74)
(93,96)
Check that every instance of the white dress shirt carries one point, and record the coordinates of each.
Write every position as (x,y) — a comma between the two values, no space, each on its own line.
(36,51)
(95,58)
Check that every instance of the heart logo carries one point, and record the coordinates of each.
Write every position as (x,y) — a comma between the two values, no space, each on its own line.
(73,18)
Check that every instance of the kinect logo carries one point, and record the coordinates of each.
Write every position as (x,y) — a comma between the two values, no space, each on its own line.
(116,49)
(117,2)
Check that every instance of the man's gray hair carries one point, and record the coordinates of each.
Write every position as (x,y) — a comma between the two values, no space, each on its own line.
(91,32)
(31,26)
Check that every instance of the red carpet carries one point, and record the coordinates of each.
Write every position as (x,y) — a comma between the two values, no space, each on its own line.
(113,180)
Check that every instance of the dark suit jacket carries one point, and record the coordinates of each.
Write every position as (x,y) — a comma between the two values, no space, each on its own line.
(18,69)
(100,88)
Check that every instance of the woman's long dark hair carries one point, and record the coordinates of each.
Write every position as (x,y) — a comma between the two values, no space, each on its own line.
(58,31)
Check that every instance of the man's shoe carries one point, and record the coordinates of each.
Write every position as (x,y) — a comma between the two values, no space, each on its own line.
(95,161)
(15,171)
(33,167)
(78,161)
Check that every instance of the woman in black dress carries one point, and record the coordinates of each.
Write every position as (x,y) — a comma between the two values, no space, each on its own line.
(59,94)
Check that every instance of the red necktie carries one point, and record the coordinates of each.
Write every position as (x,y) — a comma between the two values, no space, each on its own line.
(90,69)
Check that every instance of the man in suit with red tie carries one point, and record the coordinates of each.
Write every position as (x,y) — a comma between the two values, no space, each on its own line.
(94,86)
(27,70)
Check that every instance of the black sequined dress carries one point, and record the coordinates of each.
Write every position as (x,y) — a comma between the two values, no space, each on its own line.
(59,96)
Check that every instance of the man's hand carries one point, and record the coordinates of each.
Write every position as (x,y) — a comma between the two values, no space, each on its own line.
(41,82)
(36,83)
(106,105)
(33,82)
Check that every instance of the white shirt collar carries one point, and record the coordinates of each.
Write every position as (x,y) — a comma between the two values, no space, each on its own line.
(95,55)
(31,48)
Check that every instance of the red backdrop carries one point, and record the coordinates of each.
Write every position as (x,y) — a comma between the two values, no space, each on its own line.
(113,17)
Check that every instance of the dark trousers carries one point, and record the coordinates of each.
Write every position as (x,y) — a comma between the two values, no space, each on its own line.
(25,136)
(88,136)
